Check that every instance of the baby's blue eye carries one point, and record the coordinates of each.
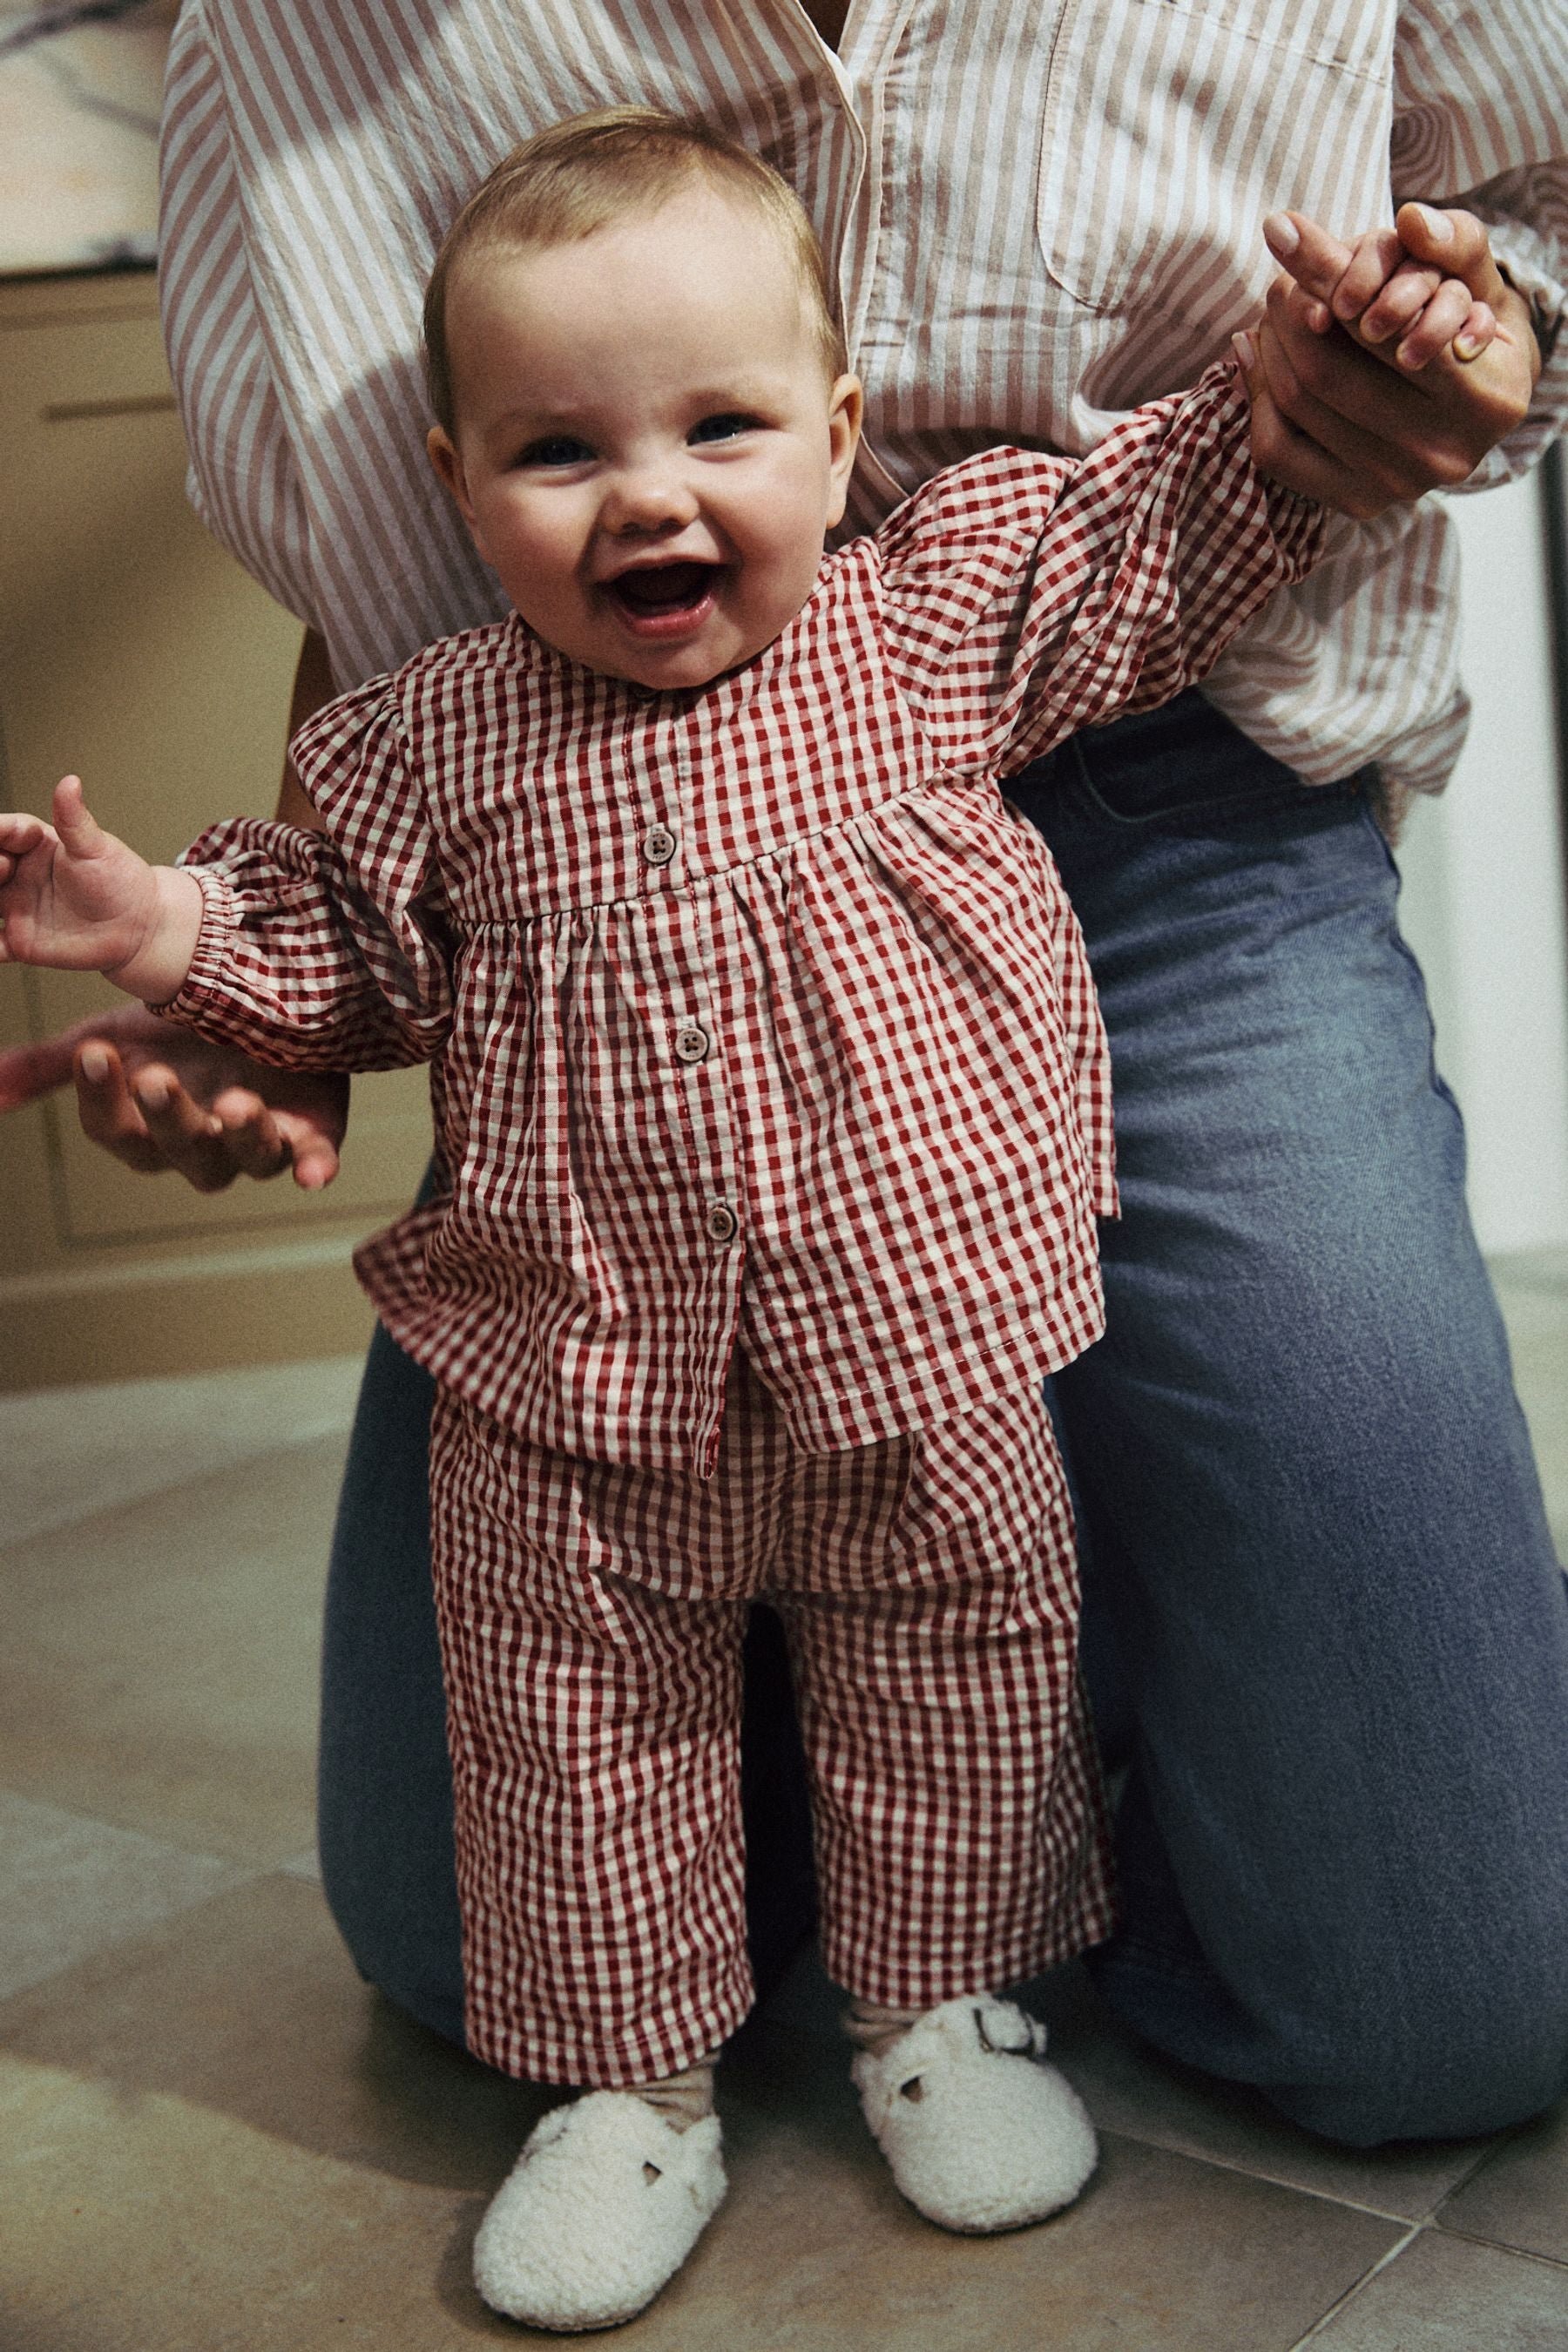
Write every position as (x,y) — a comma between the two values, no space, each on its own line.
(555,449)
(722,428)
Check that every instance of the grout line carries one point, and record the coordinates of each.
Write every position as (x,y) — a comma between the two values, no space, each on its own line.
(1351,2291)
(1281,2180)
(1504,2139)
(1505,2246)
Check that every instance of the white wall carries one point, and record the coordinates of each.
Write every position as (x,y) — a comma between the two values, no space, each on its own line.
(1482,903)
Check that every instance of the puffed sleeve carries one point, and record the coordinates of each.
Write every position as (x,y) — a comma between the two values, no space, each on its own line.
(1026,596)
(327,952)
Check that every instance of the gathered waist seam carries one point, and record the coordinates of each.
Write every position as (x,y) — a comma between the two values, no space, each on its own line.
(699,884)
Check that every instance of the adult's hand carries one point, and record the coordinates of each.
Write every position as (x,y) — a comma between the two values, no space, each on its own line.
(160,1098)
(1362,415)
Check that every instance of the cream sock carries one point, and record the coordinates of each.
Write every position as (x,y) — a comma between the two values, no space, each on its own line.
(871,2027)
(681,2099)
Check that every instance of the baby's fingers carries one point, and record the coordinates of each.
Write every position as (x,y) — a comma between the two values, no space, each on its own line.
(19,834)
(79,829)
(1394,310)
(1451,317)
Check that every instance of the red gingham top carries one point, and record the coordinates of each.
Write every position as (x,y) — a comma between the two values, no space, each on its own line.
(755,1011)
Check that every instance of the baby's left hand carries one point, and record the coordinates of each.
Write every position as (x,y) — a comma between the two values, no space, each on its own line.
(1387,366)
(1379,292)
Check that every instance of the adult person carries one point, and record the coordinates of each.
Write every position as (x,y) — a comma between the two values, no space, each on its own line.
(1303,1479)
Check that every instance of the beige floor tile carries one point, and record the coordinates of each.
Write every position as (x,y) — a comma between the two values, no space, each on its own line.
(1520,2196)
(158,1663)
(1130,2088)
(158,2225)
(72,1451)
(71,1886)
(1442,2295)
(250,2007)
(217,2137)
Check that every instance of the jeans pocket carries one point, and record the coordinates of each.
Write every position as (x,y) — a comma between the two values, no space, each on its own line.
(1239,785)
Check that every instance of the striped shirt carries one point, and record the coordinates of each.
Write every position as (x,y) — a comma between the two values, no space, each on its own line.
(758,1017)
(1040,213)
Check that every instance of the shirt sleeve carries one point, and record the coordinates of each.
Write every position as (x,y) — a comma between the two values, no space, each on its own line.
(327,952)
(1479,122)
(1026,596)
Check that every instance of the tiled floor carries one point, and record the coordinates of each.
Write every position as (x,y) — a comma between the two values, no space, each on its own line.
(215,2137)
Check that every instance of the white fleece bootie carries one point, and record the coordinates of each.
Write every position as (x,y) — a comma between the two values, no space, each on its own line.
(599,2212)
(980,2132)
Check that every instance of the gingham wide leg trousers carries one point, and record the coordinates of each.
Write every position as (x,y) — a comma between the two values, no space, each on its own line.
(591,1621)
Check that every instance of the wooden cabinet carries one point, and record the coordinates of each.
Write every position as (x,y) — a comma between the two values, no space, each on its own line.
(133,649)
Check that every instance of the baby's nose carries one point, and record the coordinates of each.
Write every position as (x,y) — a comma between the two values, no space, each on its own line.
(653,497)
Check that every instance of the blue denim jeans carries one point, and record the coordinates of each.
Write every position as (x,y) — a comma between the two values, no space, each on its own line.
(1324,1626)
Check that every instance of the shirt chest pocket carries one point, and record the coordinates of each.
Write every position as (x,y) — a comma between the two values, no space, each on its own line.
(1172,126)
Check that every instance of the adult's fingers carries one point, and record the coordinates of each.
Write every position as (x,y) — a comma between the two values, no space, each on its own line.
(253,1135)
(1316,260)
(109,1116)
(1455,242)
(150,1123)
(189,1138)
(312,1154)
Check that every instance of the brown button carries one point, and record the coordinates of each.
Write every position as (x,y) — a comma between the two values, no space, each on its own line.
(692,1043)
(722,1222)
(659,844)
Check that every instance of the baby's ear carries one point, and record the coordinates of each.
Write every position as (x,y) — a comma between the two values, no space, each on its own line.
(442,456)
(446,459)
(846,409)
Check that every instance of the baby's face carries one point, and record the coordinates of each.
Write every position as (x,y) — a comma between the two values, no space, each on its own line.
(648,450)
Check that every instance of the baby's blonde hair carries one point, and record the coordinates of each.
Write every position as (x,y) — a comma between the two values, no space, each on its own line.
(580,175)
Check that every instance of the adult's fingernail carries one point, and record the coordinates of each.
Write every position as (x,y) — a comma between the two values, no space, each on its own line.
(1282,235)
(94,1064)
(1246,351)
(1468,347)
(152,1094)
(1440,227)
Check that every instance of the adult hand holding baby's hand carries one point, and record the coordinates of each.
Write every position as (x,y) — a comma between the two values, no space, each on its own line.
(1390,366)
(75,899)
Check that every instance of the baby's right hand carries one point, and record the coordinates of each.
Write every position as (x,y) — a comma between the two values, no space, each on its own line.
(72,896)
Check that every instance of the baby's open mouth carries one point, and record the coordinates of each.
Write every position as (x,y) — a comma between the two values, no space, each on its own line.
(655,589)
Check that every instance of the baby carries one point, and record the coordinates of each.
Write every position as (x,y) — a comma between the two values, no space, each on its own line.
(773,1119)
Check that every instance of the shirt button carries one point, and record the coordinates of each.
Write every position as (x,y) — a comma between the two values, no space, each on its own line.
(722,1222)
(692,1043)
(659,844)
